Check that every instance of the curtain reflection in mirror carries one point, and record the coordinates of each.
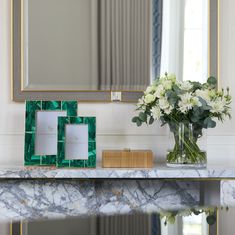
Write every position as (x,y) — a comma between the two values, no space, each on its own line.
(127,30)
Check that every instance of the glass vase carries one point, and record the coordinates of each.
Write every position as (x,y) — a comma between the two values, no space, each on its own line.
(186,151)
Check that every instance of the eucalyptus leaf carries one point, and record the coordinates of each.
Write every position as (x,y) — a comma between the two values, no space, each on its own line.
(209,123)
(211,219)
(143,116)
(212,81)
(134,119)
(151,120)
(138,122)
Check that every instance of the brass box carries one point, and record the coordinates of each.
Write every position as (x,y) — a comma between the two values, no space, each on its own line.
(127,158)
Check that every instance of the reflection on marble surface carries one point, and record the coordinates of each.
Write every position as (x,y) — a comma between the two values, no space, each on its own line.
(28,199)
(157,172)
(227,192)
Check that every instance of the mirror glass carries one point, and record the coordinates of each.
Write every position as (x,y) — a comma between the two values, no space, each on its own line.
(89,45)
(131,224)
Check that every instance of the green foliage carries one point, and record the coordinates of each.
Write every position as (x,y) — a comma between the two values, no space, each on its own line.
(212,81)
(186,102)
(211,219)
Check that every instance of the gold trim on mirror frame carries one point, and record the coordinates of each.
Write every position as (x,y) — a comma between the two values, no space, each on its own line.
(105,91)
(218,44)
(209,39)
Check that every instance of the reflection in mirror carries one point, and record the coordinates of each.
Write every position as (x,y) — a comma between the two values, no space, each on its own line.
(196,222)
(112,45)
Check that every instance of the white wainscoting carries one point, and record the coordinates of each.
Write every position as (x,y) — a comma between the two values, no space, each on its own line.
(114,127)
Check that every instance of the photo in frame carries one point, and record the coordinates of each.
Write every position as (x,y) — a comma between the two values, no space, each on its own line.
(41,121)
(76,142)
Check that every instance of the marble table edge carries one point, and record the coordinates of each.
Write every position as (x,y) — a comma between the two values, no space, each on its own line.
(159,171)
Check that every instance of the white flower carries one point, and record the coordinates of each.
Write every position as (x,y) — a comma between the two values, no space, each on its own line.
(141,104)
(196,102)
(167,84)
(217,106)
(185,85)
(163,103)
(156,112)
(172,77)
(204,94)
(160,91)
(168,110)
(186,102)
(150,89)
(149,98)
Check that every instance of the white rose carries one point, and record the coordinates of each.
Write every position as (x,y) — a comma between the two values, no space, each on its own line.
(156,112)
(185,85)
(160,91)
(150,89)
(149,98)
(167,84)
(171,77)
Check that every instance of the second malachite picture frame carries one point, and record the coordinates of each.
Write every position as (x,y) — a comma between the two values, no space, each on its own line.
(89,161)
(41,110)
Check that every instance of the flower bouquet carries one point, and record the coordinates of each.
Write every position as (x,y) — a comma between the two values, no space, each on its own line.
(188,108)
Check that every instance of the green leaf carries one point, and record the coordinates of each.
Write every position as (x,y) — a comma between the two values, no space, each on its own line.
(196,85)
(209,123)
(204,104)
(196,212)
(210,219)
(172,97)
(151,120)
(143,116)
(176,88)
(138,122)
(194,118)
(134,119)
(212,81)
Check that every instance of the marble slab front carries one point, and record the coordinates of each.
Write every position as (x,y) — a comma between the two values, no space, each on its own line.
(40,199)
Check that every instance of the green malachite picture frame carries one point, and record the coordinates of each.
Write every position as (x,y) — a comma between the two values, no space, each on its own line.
(80,163)
(32,107)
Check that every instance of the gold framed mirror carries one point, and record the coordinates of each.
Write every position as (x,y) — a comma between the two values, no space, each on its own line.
(41,65)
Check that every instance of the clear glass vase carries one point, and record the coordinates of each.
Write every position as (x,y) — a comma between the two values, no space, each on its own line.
(186,152)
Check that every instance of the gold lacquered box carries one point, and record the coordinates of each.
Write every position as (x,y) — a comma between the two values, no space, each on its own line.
(127,158)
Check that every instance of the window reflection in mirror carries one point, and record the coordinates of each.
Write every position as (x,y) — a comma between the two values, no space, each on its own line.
(185,39)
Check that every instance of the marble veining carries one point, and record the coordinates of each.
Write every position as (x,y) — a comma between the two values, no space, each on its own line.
(227,192)
(37,199)
(157,172)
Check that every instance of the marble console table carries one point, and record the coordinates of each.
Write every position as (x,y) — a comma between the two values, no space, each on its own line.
(36,193)
(159,171)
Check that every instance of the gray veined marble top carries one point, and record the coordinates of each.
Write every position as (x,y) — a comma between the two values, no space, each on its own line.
(157,172)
